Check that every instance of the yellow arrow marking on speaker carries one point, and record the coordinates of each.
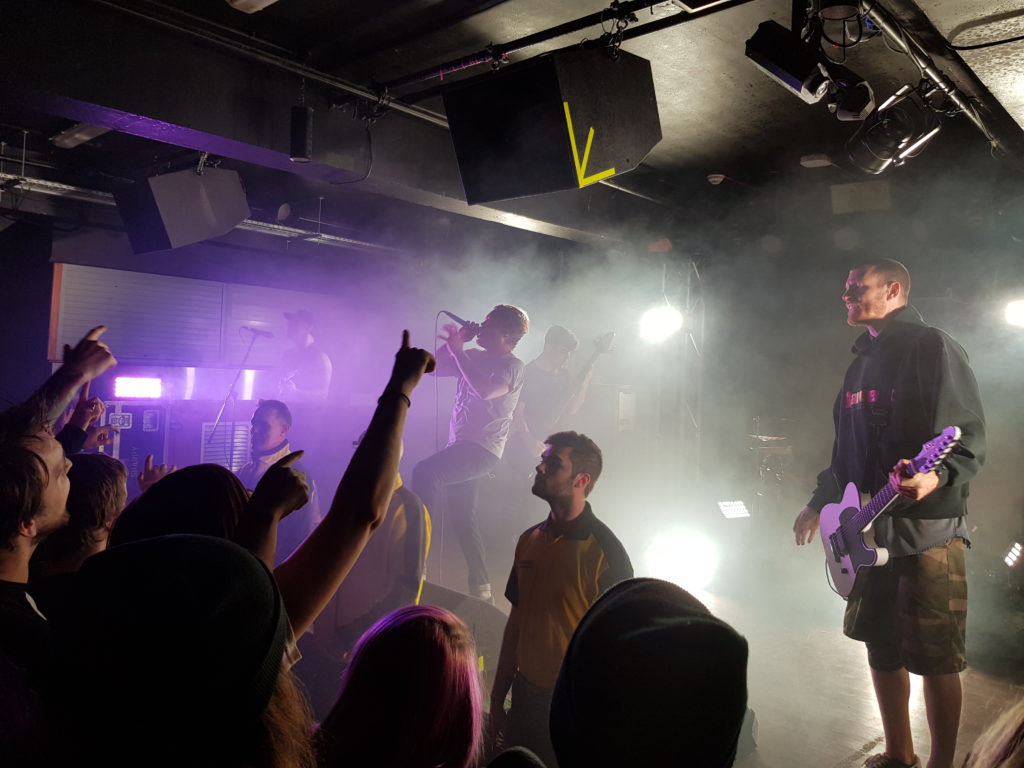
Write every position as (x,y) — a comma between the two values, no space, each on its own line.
(581,168)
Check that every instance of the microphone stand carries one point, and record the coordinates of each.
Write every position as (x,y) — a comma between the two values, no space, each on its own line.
(231,396)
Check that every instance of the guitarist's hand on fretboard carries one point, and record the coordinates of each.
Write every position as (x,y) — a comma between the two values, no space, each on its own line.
(915,487)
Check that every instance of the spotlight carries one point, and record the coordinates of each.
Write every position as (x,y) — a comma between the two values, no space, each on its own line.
(660,322)
(132,386)
(895,131)
(686,558)
(733,509)
(1015,312)
(788,60)
(850,95)
(837,10)
(1013,555)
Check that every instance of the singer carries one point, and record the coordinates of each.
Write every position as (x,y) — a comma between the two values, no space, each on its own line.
(489,382)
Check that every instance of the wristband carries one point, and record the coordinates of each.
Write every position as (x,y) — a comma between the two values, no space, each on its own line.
(395,393)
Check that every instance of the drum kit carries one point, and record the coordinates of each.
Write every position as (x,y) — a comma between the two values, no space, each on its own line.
(771,453)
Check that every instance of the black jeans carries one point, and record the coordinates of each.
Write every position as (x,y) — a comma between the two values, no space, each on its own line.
(457,470)
(528,721)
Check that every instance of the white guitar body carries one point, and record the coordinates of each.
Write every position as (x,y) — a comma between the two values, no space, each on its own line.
(846,555)
(846,526)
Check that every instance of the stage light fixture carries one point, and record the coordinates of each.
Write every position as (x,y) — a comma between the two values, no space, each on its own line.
(1013,555)
(788,60)
(837,10)
(686,558)
(78,134)
(1015,312)
(138,387)
(893,133)
(660,322)
(248,383)
(733,509)
(851,97)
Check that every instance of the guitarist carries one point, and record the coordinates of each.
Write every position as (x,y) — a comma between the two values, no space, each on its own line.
(551,394)
(906,382)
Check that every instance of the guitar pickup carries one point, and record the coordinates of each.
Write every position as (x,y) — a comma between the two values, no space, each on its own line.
(837,550)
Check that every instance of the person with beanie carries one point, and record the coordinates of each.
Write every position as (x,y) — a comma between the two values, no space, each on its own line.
(172,649)
(650,678)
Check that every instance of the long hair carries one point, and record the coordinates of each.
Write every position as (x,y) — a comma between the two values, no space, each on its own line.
(204,499)
(410,697)
(1002,744)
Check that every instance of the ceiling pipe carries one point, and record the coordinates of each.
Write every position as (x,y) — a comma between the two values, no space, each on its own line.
(916,53)
(498,54)
(272,60)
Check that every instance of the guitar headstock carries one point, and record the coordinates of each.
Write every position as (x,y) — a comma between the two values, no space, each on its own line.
(936,450)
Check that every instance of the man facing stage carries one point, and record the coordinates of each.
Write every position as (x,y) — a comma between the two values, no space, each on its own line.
(561,567)
(489,381)
(906,383)
(271,423)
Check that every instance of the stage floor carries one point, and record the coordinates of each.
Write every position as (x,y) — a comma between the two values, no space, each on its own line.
(809,685)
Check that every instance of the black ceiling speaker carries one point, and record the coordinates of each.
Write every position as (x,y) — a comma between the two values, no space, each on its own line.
(556,122)
(181,208)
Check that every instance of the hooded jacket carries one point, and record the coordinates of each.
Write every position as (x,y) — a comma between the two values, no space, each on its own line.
(902,388)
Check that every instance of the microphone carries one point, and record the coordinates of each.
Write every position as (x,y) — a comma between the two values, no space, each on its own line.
(474,326)
(258,332)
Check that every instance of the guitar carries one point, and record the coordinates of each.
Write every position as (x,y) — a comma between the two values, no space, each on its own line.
(846,526)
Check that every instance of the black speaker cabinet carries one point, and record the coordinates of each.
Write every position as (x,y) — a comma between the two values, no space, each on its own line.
(181,208)
(556,122)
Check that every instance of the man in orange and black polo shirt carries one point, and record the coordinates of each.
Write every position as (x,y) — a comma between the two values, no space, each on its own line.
(562,566)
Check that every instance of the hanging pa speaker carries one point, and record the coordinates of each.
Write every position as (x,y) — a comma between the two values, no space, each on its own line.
(181,208)
(556,122)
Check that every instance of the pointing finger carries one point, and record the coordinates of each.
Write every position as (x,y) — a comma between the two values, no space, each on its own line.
(95,333)
(291,458)
(405,339)
(84,394)
(148,467)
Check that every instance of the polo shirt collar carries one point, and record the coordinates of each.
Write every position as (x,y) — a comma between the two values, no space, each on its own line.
(579,528)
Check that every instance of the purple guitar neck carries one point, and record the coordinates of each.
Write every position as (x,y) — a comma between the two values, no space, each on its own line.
(931,455)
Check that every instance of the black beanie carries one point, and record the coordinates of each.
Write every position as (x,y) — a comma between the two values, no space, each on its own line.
(516,757)
(650,678)
(176,637)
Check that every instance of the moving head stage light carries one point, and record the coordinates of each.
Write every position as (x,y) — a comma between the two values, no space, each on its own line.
(894,132)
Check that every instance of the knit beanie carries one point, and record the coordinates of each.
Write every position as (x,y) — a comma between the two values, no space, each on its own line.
(176,637)
(516,757)
(650,678)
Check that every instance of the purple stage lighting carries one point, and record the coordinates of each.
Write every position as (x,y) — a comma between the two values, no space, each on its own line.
(132,386)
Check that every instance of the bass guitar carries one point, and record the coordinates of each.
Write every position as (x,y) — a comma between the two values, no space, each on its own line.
(846,526)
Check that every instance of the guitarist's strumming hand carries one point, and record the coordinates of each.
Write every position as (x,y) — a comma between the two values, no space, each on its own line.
(806,526)
(916,487)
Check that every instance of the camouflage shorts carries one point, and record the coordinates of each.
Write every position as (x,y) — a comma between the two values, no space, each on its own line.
(912,612)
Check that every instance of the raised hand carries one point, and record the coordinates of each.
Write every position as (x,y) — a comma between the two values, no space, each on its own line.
(282,489)
(89,357)
(151,474)
(410,365)
(87,409)
(604,343)
(99,437)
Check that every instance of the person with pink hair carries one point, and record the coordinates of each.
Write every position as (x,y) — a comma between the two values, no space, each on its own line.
(410,696)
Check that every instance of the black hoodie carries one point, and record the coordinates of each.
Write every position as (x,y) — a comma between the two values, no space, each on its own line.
(902,388)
